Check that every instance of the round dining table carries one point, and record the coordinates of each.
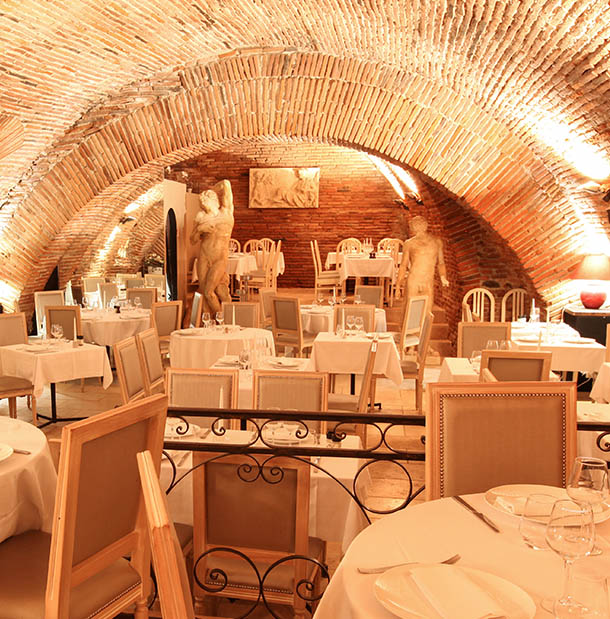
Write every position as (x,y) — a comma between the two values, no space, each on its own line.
(27,481)
(201,348)
(433,531)
(107,328)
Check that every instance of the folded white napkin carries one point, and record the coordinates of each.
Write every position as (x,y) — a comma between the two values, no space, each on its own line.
(453,594)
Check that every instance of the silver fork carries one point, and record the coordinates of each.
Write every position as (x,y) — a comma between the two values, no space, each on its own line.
(385,568)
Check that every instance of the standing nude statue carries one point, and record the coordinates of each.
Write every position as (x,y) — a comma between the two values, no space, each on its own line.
(421,254)
(213,227)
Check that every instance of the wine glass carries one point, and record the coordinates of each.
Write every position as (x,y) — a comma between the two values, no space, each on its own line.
(570,533)
(331,301)
(503,345)
(137,302)
(475,359)
(357,299)
(342,298)
(244,359)
(220,318)
(535,518)
(359,324)
(320,299)
(588,484)
(57,331)
(206,319)
(492,345)
(350,321)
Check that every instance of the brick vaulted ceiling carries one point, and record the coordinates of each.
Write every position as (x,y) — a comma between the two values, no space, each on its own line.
(505,104)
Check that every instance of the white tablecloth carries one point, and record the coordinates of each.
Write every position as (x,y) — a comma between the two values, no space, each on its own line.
(201,348)
(331,258)
(600,391)
(457,370)
(348,355)
(317,319)
(587,441)
(433,531)
(363,266)
(240,264)
(108,328)
(245,387)
(27,482)
(61,362)
(583,357)
(333,515)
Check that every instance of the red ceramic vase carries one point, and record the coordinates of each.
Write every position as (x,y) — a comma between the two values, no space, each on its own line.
(593,299)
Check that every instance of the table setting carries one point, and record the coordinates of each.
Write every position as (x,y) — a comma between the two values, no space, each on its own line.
(107,327)
(318,318)
(493,554)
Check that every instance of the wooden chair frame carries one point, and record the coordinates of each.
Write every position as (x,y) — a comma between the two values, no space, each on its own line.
(40,304)
(170,569)
(259,375)
(414,312)
(517,296)
(348,244)
(117,349)
(324,280)
(234,246)
(177,304)
(251,305)
(63,575)
(462,326)
(479,297)
(502,449)
(289,337)
(417,372)
(135,282)
(152,383)
(543,357)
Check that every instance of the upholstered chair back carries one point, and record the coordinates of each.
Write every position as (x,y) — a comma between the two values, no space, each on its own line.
(67,317)
(13,329)
(147,296)
(150,360)
(195,320)
(287,390)
(366,312)
(245,314)
(475,335)
(167,317)
(107,292)
(41,300)
(508,365)
(129,370)
(135,282)
(372,295)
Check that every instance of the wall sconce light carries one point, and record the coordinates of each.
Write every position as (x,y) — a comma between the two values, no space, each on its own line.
(592,269)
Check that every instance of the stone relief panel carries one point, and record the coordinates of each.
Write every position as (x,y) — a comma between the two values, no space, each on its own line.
(284,187)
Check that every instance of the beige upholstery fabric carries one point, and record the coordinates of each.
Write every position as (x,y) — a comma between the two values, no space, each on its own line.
(107,292)
(286,313)
(68,317)
(166,318)
(366,311)
(155,280)
(201,388)
(147,296)
(371,295)
(518,368)
(23,583)
(90,284)
(134,282)
(246,314)
(130,362)
(293,392)
(265,296)
(13,329)
(13,383)
(152,354)
(195,320)
(474,335)
(42,299)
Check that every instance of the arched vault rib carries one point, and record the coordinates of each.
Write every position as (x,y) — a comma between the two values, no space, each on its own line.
(308,96)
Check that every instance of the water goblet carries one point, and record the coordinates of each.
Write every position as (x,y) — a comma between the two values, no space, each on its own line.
(57,331)
(359,324)
(535,518)
(492,345)
(588,484)
(350,321)
(137,302)
(244,359)
(357,299)
(570,532)
(320,299)
(503,345)
(475,360)
(220,318)
(206,320)
(342,298)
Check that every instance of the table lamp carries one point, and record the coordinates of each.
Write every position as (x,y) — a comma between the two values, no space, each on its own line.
(592,269)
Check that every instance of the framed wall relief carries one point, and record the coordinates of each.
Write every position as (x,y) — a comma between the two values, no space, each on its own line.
(284,187)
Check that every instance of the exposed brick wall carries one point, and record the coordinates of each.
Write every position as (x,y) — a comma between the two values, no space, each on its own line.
(355,200)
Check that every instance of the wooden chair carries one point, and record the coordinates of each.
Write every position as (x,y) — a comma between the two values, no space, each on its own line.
(170,570)
(67,317)
(129,370)
(287,326)
(373,295)
(264,296)
(275,266)
(414,311)
(324,280)
(41,300)
(234,246)
(483,305)
(253,246)
(265,521)
(392,247)
(195,315)
(415,369)
(366,312)
(13,330)
(389,245)
(268,244)
(79,570)
(107,292)
(166,318)
(263,276)
(516,298)
(349,246)
(482,435)
(134,282)
(90,284)
(154,280)
(607,358)
(150,361)
(512,365)
(244,314)
(287,390)
(147,296)
(475,335)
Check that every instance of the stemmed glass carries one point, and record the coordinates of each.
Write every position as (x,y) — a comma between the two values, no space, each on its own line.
(320,299)
(57,331)
(588,484)
(475,360)
(350,321)
(137,302)
(492,345)
(359,324)
(570,533)
(357,299)
(342,298)
(206,319)
(220,318)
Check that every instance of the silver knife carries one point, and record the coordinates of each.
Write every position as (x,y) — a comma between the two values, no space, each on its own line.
(21,451)
(478,514)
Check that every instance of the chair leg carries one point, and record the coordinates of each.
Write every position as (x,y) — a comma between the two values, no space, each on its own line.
(12,407)
(141,611)
(34,410)
(418,393)
(82,384)
(29,401)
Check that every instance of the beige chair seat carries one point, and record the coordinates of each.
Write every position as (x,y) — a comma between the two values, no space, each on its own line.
(409,367)
(280,580)
(184,533)
(333,276)
(13,383)
(23,583)
(342,402)
(308,339)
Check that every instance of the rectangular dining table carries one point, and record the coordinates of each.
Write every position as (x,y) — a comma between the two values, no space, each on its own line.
(52,361)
